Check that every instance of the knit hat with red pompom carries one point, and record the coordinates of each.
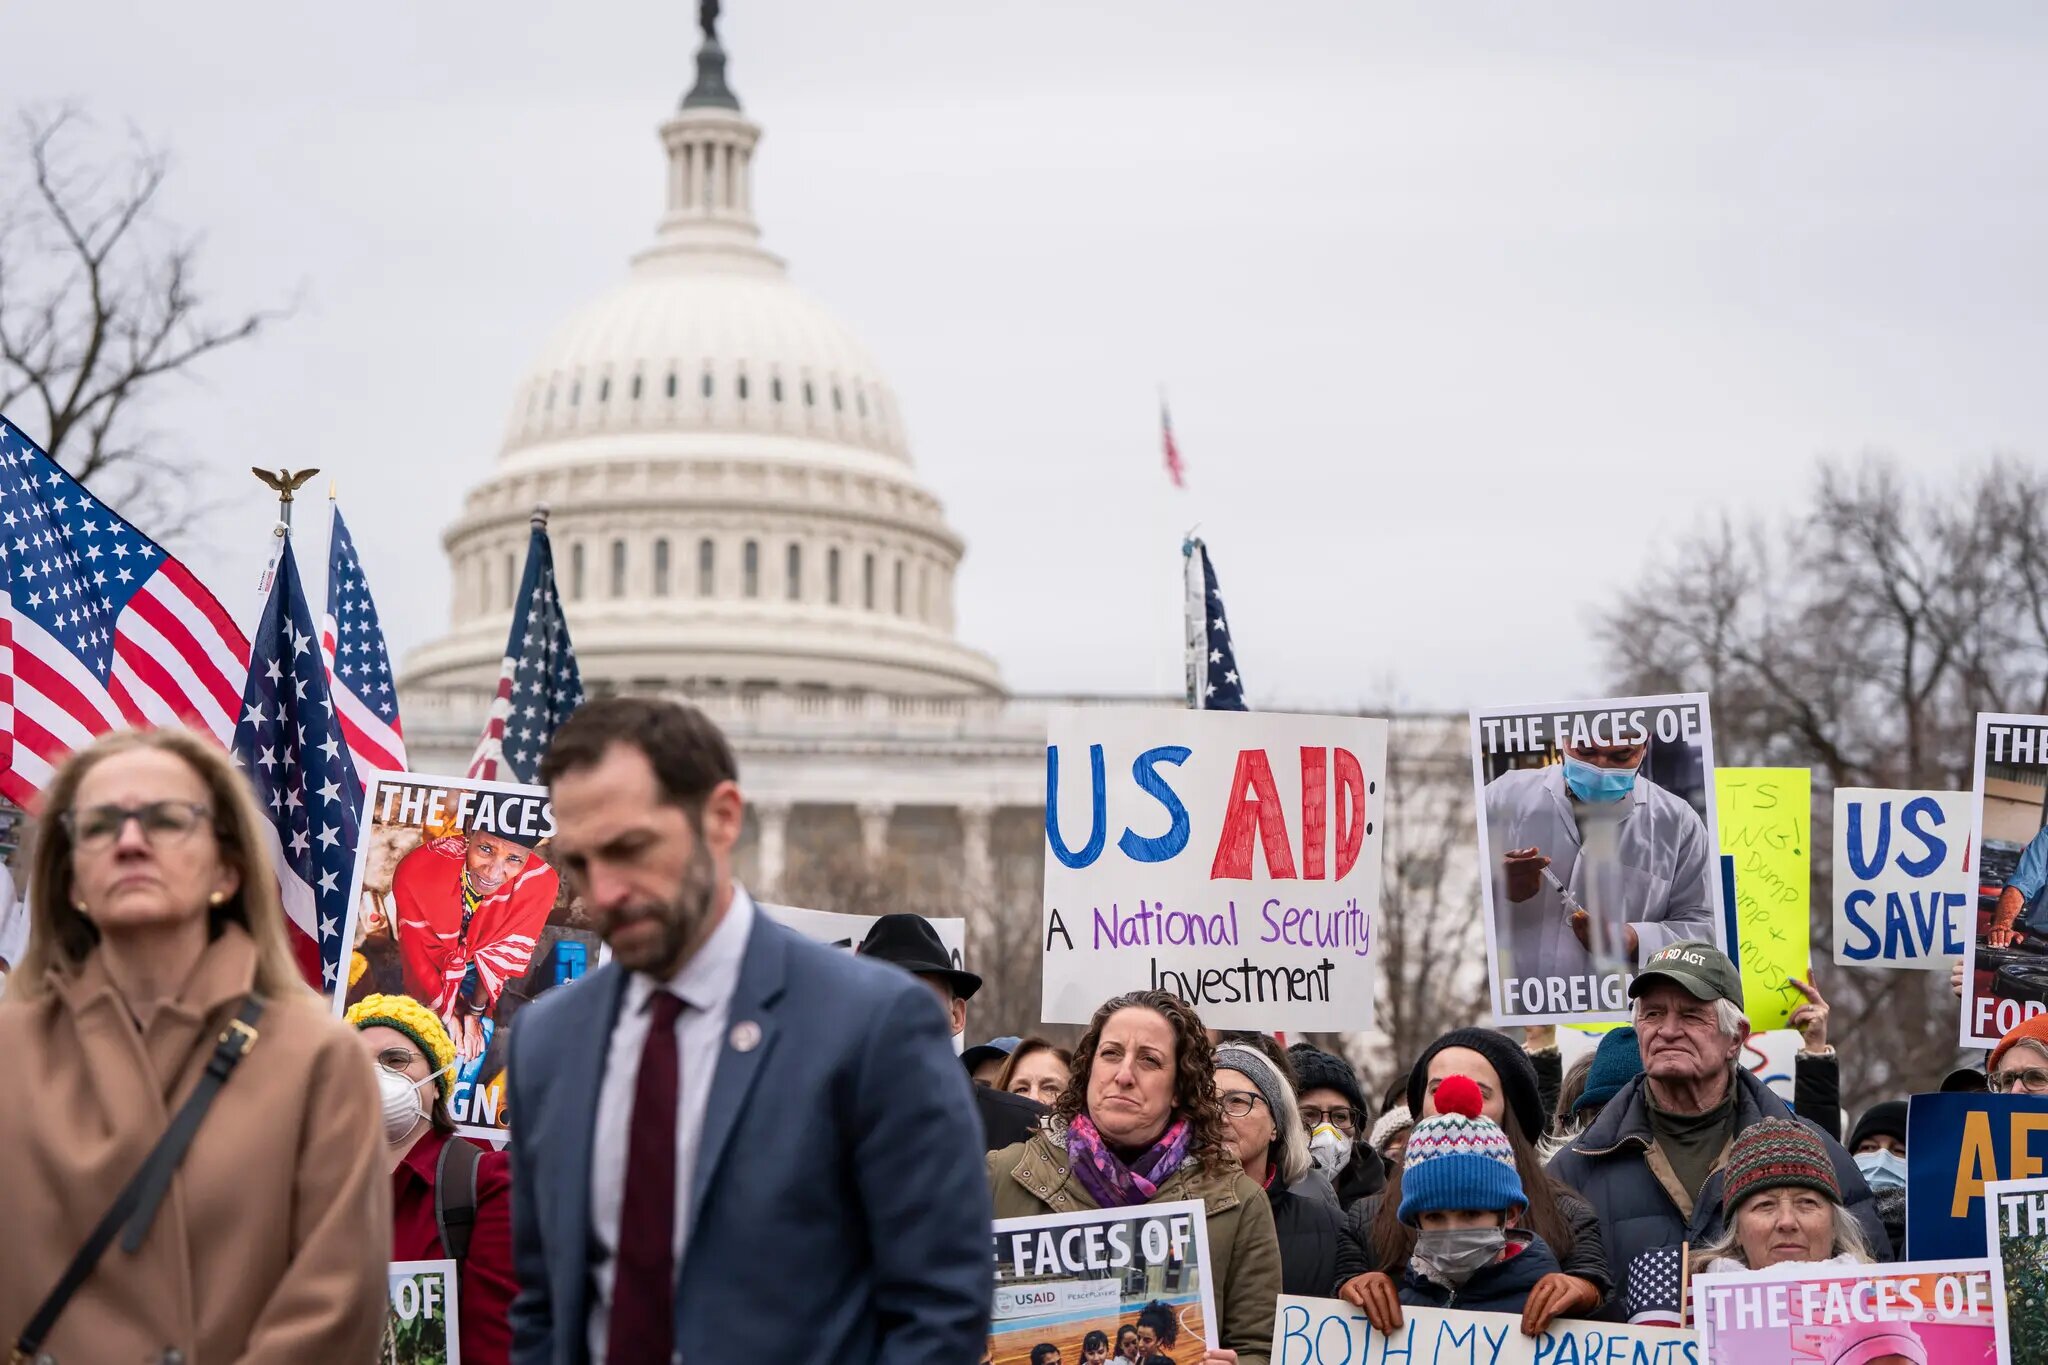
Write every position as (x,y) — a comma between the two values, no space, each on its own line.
(1458,1158)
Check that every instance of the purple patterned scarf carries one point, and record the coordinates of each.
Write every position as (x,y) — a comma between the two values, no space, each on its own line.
(1110,1182)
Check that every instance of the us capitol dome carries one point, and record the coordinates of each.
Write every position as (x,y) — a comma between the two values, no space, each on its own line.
(736,520)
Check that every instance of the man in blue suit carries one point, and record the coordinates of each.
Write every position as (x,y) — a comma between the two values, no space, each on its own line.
(730,1144)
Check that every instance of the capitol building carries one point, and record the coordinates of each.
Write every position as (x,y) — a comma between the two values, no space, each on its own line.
(737,520)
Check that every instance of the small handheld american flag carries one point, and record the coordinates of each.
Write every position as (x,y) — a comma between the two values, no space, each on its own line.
(1657,1287)
(290,744)
(1213,681)
(358,665)
(99,628)
(538,683)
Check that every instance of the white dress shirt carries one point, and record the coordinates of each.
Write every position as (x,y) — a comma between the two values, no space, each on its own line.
(705,984)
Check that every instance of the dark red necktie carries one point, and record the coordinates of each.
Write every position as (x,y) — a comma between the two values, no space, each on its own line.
(642,1330)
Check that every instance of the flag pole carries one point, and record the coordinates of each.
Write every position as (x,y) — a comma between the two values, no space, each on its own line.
(283,482)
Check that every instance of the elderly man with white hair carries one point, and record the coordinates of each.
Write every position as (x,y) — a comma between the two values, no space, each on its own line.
(1653,1163)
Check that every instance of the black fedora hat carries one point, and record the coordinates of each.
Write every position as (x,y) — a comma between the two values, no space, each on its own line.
(911,943)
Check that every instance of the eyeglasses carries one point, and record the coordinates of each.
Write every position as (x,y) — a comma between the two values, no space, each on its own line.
(1238,1103)
(2032,1080)
(96,828)
(1341,1117)
(398,1058)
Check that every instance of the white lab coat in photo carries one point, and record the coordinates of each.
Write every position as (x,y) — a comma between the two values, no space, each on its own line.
(1652,868)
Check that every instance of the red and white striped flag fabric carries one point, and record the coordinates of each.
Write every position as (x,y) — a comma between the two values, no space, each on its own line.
(99,627)
(358,665)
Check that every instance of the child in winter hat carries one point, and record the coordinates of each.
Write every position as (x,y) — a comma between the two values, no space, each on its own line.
(1461,1191)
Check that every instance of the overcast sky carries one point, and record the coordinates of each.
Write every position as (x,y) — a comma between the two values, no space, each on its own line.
(1464,309)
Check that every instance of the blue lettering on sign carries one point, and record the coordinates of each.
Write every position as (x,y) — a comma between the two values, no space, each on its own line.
(1911,924)
(1159,848)
(1098,827)
(1934,847)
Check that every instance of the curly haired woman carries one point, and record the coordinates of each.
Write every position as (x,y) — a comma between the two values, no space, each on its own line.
(1140,1124)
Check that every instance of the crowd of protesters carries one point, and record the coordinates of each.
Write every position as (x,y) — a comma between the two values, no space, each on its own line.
(734,1144)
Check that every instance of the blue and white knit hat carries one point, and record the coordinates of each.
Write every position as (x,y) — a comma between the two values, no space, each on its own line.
(1458,1158)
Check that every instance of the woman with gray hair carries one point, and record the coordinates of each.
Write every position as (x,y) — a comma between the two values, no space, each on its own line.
(1783,1203)
(1264,1123)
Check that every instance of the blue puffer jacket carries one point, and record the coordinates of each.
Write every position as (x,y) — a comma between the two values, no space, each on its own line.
(1502,1287)
(1616,1166)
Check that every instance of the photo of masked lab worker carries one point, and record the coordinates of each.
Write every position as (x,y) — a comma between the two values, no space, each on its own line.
(1597,843)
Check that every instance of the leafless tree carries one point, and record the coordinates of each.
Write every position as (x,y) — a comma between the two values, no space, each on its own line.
(1858,637)
(99,301)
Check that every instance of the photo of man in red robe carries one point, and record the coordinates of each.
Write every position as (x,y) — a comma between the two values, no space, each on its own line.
(470,909)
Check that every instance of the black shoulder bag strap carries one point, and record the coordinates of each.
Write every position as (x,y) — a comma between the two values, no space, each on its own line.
(135,1207)
(455,1195)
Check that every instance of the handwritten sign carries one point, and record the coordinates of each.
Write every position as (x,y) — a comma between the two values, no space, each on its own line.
(1232,858)
(1331,1332)
(1903,894)
(1804,1313)
(1766,825)
(1956,1145)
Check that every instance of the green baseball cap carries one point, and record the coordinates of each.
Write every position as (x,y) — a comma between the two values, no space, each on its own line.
(1700,969)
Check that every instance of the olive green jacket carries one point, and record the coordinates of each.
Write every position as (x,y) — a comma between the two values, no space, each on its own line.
(1032,1178)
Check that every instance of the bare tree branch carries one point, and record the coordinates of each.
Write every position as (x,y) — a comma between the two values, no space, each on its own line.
(97,303)
(1860,639)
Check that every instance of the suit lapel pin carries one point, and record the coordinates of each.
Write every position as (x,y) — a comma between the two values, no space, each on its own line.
(746,1036)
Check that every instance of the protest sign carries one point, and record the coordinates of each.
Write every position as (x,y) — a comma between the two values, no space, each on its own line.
(1931,1312)
(2016,1243)
(1955,1146)
(838,930)
(1230,857)
(1074,1281)
(1332,1332)
(1903,895)
(454,903)
(1596,848)
(424,1325)
(1766,826)
(2005,953)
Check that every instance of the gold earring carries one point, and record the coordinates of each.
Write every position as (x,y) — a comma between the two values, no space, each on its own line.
(217,898)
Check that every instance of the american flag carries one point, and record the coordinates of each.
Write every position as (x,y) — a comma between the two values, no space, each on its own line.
(358,666)
(1175,470)
(1213,683)
(1656,1287)
(538,684)
(289,741)
(99,627)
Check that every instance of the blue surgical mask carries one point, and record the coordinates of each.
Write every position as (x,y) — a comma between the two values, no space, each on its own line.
(1595,785)
(1883,1170)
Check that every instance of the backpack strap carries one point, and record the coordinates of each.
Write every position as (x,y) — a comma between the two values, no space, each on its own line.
(455,1195)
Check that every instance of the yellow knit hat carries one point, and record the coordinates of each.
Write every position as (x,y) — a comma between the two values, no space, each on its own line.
(416,1022)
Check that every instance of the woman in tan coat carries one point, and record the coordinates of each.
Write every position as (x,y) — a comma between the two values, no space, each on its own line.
(155,917)
(1140,1123)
